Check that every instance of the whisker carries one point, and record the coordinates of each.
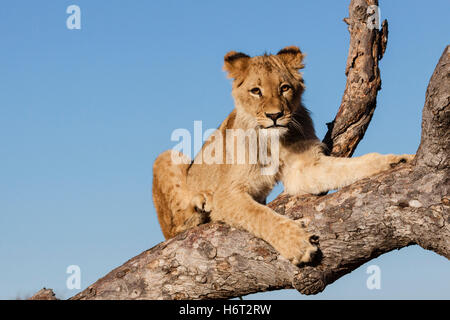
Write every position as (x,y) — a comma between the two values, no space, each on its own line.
(297,126)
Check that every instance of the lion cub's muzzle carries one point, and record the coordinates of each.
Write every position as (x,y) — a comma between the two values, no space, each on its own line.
(276,120)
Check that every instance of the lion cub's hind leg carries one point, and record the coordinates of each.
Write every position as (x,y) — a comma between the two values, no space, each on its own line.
(178,207)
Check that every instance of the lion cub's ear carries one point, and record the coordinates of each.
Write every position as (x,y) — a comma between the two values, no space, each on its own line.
(292,57)
(235,63)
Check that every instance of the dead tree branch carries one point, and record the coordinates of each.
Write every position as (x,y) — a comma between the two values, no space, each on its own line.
(367,46)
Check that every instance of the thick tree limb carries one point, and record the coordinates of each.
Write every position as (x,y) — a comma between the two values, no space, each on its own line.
(355,225)
(367,46)
(434,147)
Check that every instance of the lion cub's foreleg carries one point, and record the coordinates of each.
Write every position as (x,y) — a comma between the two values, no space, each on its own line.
(326,173)
(178,207)
(287,236)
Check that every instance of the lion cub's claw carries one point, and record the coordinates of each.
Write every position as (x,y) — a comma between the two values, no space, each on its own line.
(307,253)
(297,245)
(202,203)
(395,160)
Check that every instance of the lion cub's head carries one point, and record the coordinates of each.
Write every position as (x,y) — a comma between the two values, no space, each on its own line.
(267,88)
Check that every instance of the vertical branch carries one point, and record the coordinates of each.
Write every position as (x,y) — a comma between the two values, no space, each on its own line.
(367,46)
(434,150)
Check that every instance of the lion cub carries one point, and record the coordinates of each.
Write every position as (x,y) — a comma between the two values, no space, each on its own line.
(267,91)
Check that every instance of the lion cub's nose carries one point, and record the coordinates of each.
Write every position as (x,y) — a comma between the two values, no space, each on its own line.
(274,116)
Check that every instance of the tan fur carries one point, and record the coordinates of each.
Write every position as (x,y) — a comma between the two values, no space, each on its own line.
(187,195)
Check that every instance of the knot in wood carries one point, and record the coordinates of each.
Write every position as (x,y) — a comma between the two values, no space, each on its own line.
(207,250)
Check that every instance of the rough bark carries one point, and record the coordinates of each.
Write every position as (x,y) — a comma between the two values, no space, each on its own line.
(406,205)
(367,46)
(391,211)
(434,146)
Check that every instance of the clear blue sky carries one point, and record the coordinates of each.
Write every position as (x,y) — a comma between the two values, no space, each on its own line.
(83,114)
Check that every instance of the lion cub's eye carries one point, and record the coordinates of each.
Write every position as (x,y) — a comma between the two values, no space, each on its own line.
(285,88)
(256,91)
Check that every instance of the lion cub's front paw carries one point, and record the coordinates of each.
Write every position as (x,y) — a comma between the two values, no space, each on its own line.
(395,160)
(202,204)
(295,244)
(199,211)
